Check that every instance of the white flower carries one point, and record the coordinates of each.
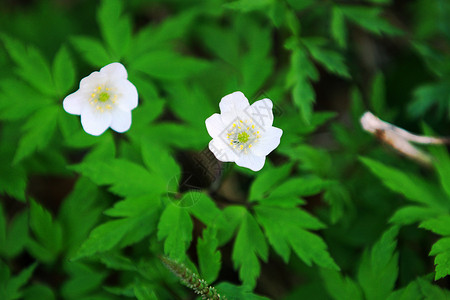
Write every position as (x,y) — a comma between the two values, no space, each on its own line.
(243,133)
(104,99)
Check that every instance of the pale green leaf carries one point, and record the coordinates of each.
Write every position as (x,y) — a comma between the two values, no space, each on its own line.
(379,265)
(340,287)
(175,228)
(115,28)
(248,246)
(38,131)
(63,71)
(92,51)
(209,257)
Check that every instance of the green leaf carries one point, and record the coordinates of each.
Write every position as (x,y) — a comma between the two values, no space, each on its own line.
(167,65)
(38,291)
(182,97)
(92,51)
(14,285)
(412,214)
(233,215)
(115,29)
(338,197)
(378,269)
(134,206)
(175,227)
(38,131)
(63,71)
(16,235)
(126,178)
(432,292)
(409,185)
(82,280)
(340,287)
(118,233)
(32,66)
(285,230)
(441,249)
(18,100)
(14,178)
(203,208)
(439,225)
(338,28)
(160,161)
(410,292)
(48,232)
(332,61)
(248,5)
(234,292)
(304,98)
(266,180)
(299,186)
(79,213)
(209,258)
(377,94)
(369,18)
(143,292)
(441,162)
(248,246)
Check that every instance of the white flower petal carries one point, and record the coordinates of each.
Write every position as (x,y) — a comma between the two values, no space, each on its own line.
(74,103)
(234,102)
(222,151)
(95,122)
(121,120)
(129,98)
(92,81)
(214,125)
(261,112)
(114,71)
(269,140)
(253,162)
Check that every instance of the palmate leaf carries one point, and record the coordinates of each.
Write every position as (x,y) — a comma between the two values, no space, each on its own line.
(331,60)
(138,216)
(19,100)
(32,66)
(168,65)
(115,28)
(412,214)
(39,130)
(47,231)
(441,249)
(378,269)
(340,287)
(287,228)
(175,227)
(369,18)
(250,244)
(63,71)
(92,51)
(209,258)
(11,287)
(267,179)
(338,27)
(409,185)
(126,178)
(234,292)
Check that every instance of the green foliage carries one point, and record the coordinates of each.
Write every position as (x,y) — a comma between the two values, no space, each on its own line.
(248,246)
(86,217)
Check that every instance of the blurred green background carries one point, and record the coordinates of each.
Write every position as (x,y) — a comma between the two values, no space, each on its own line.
(323,64)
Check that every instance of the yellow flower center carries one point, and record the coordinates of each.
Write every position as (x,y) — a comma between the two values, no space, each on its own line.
(103,97)
(243,137)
